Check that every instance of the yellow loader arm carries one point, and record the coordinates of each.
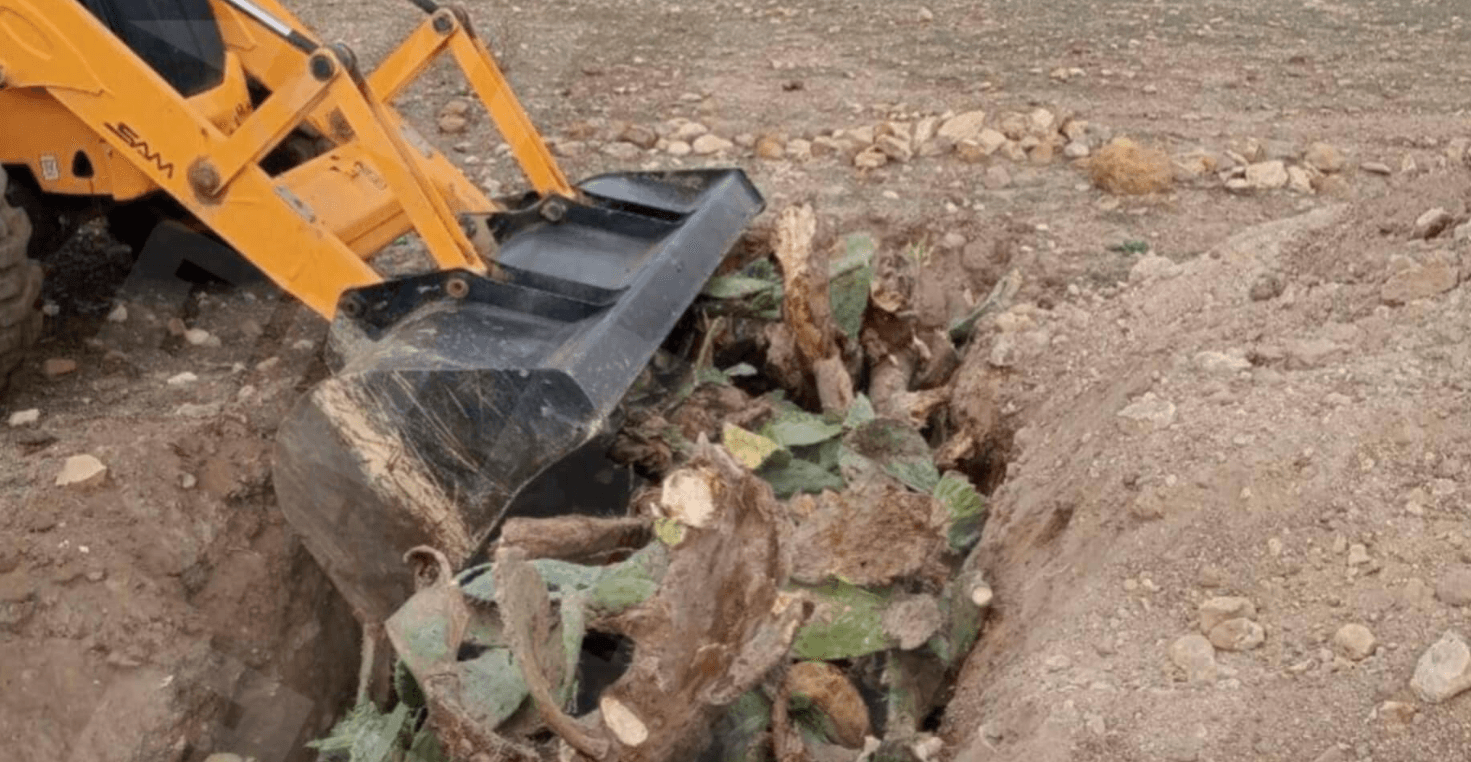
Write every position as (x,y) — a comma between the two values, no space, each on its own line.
(309,229)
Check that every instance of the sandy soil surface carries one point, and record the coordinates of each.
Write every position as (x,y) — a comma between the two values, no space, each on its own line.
(1193,406)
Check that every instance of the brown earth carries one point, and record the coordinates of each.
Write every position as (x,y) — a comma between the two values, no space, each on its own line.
(1302,404)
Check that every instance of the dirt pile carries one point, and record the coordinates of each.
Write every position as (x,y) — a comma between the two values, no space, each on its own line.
(1231,504)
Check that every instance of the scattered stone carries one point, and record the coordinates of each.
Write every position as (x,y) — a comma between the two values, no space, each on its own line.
(197,336)
(1195,656)
(119,314)
(870,158)
(678,148)
(1076,150)
(1042,154)
(641,135)
(1216,610)
(996,177)
(799,150)
(1239,634)
(1221,362)
(989,141)
(1376,167)
(56,367)
(982,595)
(188,480)
(79,470)
(1151,410)
(824,146)
(1013,151)
(1444,670)
(689,131)
(1436,273)
(708,144)
(1013,125)
(1075,130)
(1431,224)
(454,117)
(623,152)
(1041,122)
(925,14)
(1358,555)
(1267,175)
(1268,285)
(24,418)
(966,126)
(924,131)
(770,148)
(1323,157)
(1354,641)
(1454,587)
(568,148)
(970,152)
(1299,181)
(894,147)
(182,379)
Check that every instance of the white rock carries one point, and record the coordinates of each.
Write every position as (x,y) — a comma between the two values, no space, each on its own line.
(80,469)
(1239,634)
(678,148)
(119,314)
(689,131)
(1221,362)
(1267,175)
(1444,670)
(1432,223)
(966,126)
(1195,656)
(707,144)
(1376,167)
(1217,610)
(182,379)
(1354,641)
(1076,150)
(1299,180)
(870,158)
(199,337)
(990,141)
(1323,157)
(1150,409)
(24,418)
(1358,555)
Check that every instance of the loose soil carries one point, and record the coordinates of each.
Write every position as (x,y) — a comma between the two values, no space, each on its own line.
(167,611)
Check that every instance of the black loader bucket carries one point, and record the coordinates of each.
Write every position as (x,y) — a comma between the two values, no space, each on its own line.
(457,390)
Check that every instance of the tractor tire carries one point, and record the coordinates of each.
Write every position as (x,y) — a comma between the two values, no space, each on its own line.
(20,288)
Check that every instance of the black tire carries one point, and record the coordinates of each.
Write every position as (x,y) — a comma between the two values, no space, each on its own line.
(20,288)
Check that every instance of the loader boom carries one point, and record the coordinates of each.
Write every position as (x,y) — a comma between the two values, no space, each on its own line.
(310,229)
(452,390)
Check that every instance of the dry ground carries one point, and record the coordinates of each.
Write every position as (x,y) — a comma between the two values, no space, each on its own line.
(146,619)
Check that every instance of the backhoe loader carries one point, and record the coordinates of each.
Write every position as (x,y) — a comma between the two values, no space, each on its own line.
(451,389)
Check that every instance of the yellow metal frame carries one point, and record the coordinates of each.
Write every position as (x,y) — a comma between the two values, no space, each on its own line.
(68,84)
